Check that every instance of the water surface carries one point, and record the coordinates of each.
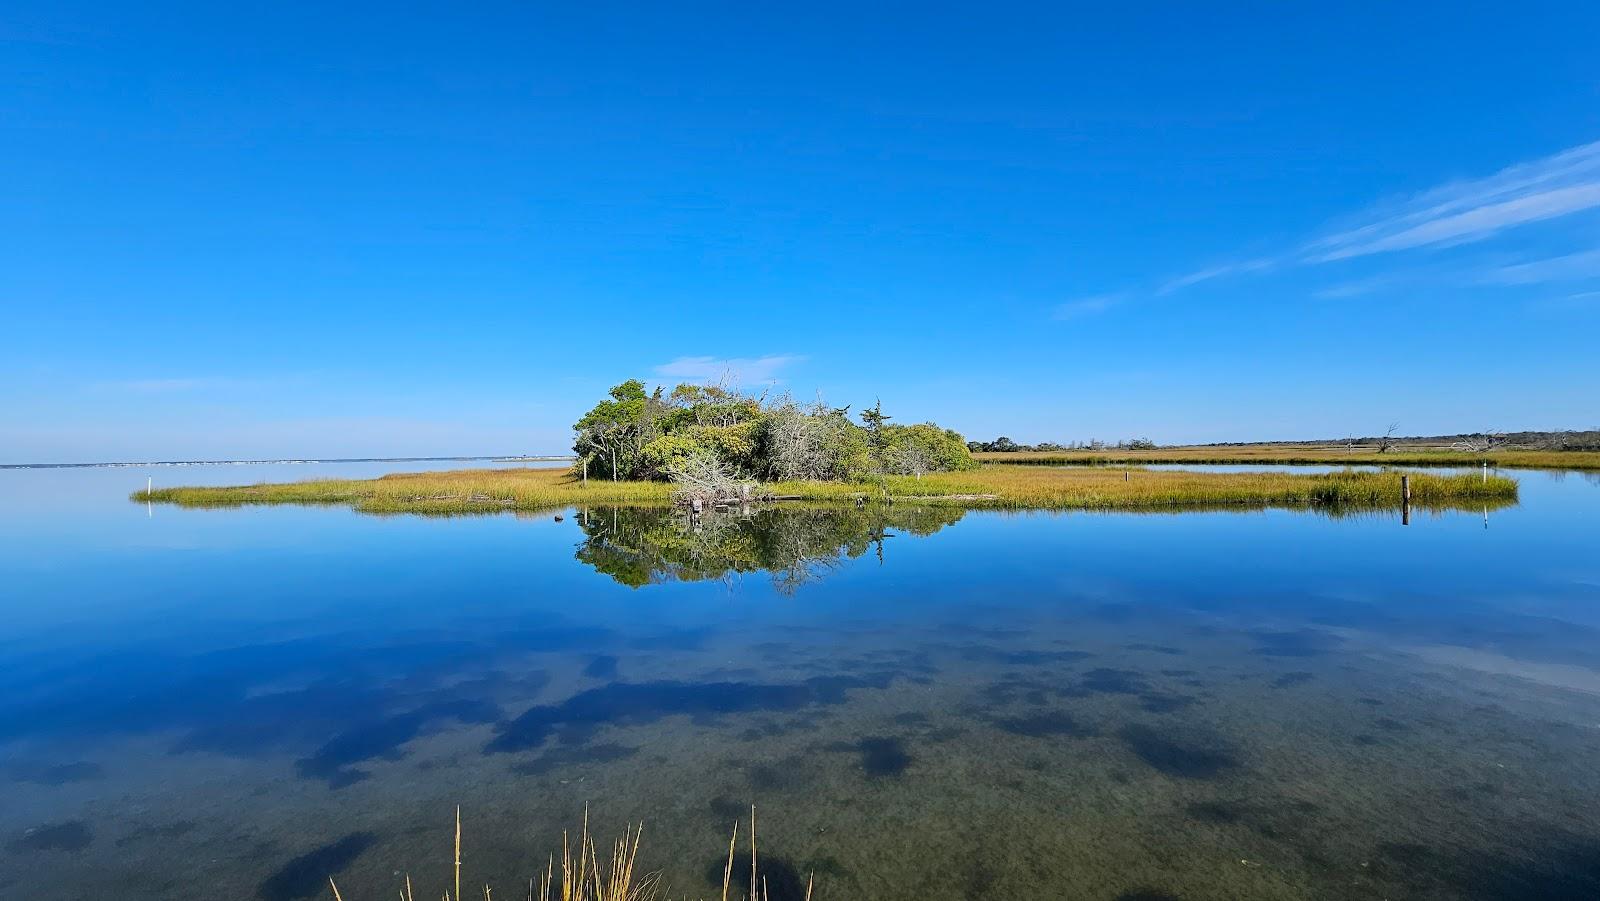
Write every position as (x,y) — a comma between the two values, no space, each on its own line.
(923,703)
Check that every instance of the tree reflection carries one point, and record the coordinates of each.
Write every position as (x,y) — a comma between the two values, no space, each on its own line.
(648,545)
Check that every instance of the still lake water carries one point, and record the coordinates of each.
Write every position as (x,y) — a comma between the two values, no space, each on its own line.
(932,705)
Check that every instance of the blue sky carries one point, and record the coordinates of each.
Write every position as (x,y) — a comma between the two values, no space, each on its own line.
(245,231)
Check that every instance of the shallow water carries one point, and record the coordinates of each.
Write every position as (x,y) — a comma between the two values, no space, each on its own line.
(926,704)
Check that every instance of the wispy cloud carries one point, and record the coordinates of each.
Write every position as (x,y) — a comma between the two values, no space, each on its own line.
(1568,267)
(754,370)
(1087,306)
(164,385)
(1458,213)
(1356,288)
(1472,210)
(1212,272)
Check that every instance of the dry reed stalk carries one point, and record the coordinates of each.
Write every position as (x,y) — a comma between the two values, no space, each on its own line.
(586,879)
(727,872)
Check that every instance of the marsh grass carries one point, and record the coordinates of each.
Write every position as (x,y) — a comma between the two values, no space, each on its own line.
(1015,487)
(1301,454)
(584,875)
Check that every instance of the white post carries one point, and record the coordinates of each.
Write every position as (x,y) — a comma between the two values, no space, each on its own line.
(1486,472)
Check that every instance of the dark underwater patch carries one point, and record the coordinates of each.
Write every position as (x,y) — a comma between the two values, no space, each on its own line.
(1045,725)
(57,774)
(1010,689)
(1176,758)
(1304,643)
(979,880)
(1164,703)
(1216,812)
(1288,679)
(1113,681)
(786,775)
(728,810)
(306,876)
(334,761)
(646,702)
(777,879)
(72,835)
(603,666)
(883,757)
(1157,649)
(1550,866)
(165,832)
(986,654)
(561,758)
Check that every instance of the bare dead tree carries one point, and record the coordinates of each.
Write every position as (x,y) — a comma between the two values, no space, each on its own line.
(1387,443)
(800,439)
(704,478)
(909,459)
(1481,443)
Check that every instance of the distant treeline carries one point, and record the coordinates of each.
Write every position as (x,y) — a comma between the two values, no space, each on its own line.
(1006,445)
(1560,439)
(1557,439)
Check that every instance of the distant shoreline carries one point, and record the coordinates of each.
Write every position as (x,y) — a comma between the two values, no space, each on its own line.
(501,458)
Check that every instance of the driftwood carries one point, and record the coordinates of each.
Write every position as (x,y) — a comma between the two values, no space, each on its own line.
(702,481)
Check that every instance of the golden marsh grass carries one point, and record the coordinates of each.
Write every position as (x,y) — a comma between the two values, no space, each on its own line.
(1016,487)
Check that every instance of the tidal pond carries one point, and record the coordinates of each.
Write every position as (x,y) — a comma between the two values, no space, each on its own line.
(923,703)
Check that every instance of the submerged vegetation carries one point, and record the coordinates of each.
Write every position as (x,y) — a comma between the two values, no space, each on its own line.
(994,486)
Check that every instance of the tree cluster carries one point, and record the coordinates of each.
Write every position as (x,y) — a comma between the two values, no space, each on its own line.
(636,433)
(1006,445)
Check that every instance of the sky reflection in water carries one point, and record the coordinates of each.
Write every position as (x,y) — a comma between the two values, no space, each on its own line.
(933,704)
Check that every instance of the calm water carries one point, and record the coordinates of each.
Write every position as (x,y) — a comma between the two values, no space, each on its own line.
(926,705)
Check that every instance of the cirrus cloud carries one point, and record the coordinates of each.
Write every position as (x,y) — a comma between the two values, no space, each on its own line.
(754,370)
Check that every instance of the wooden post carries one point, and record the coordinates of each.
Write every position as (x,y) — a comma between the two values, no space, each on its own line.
(1486,472)
(1405,489)
(1124,475)
(695,506)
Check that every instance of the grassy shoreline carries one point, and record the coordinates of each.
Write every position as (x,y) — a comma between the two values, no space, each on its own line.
(1280,454)
(1013,487)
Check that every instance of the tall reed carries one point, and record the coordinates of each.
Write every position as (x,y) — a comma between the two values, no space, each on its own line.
(584,875)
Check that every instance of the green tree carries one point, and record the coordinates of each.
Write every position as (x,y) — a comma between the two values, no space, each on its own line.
(615,432)
(875,420)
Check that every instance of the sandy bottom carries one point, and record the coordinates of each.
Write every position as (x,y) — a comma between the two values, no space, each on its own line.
(1090,757)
